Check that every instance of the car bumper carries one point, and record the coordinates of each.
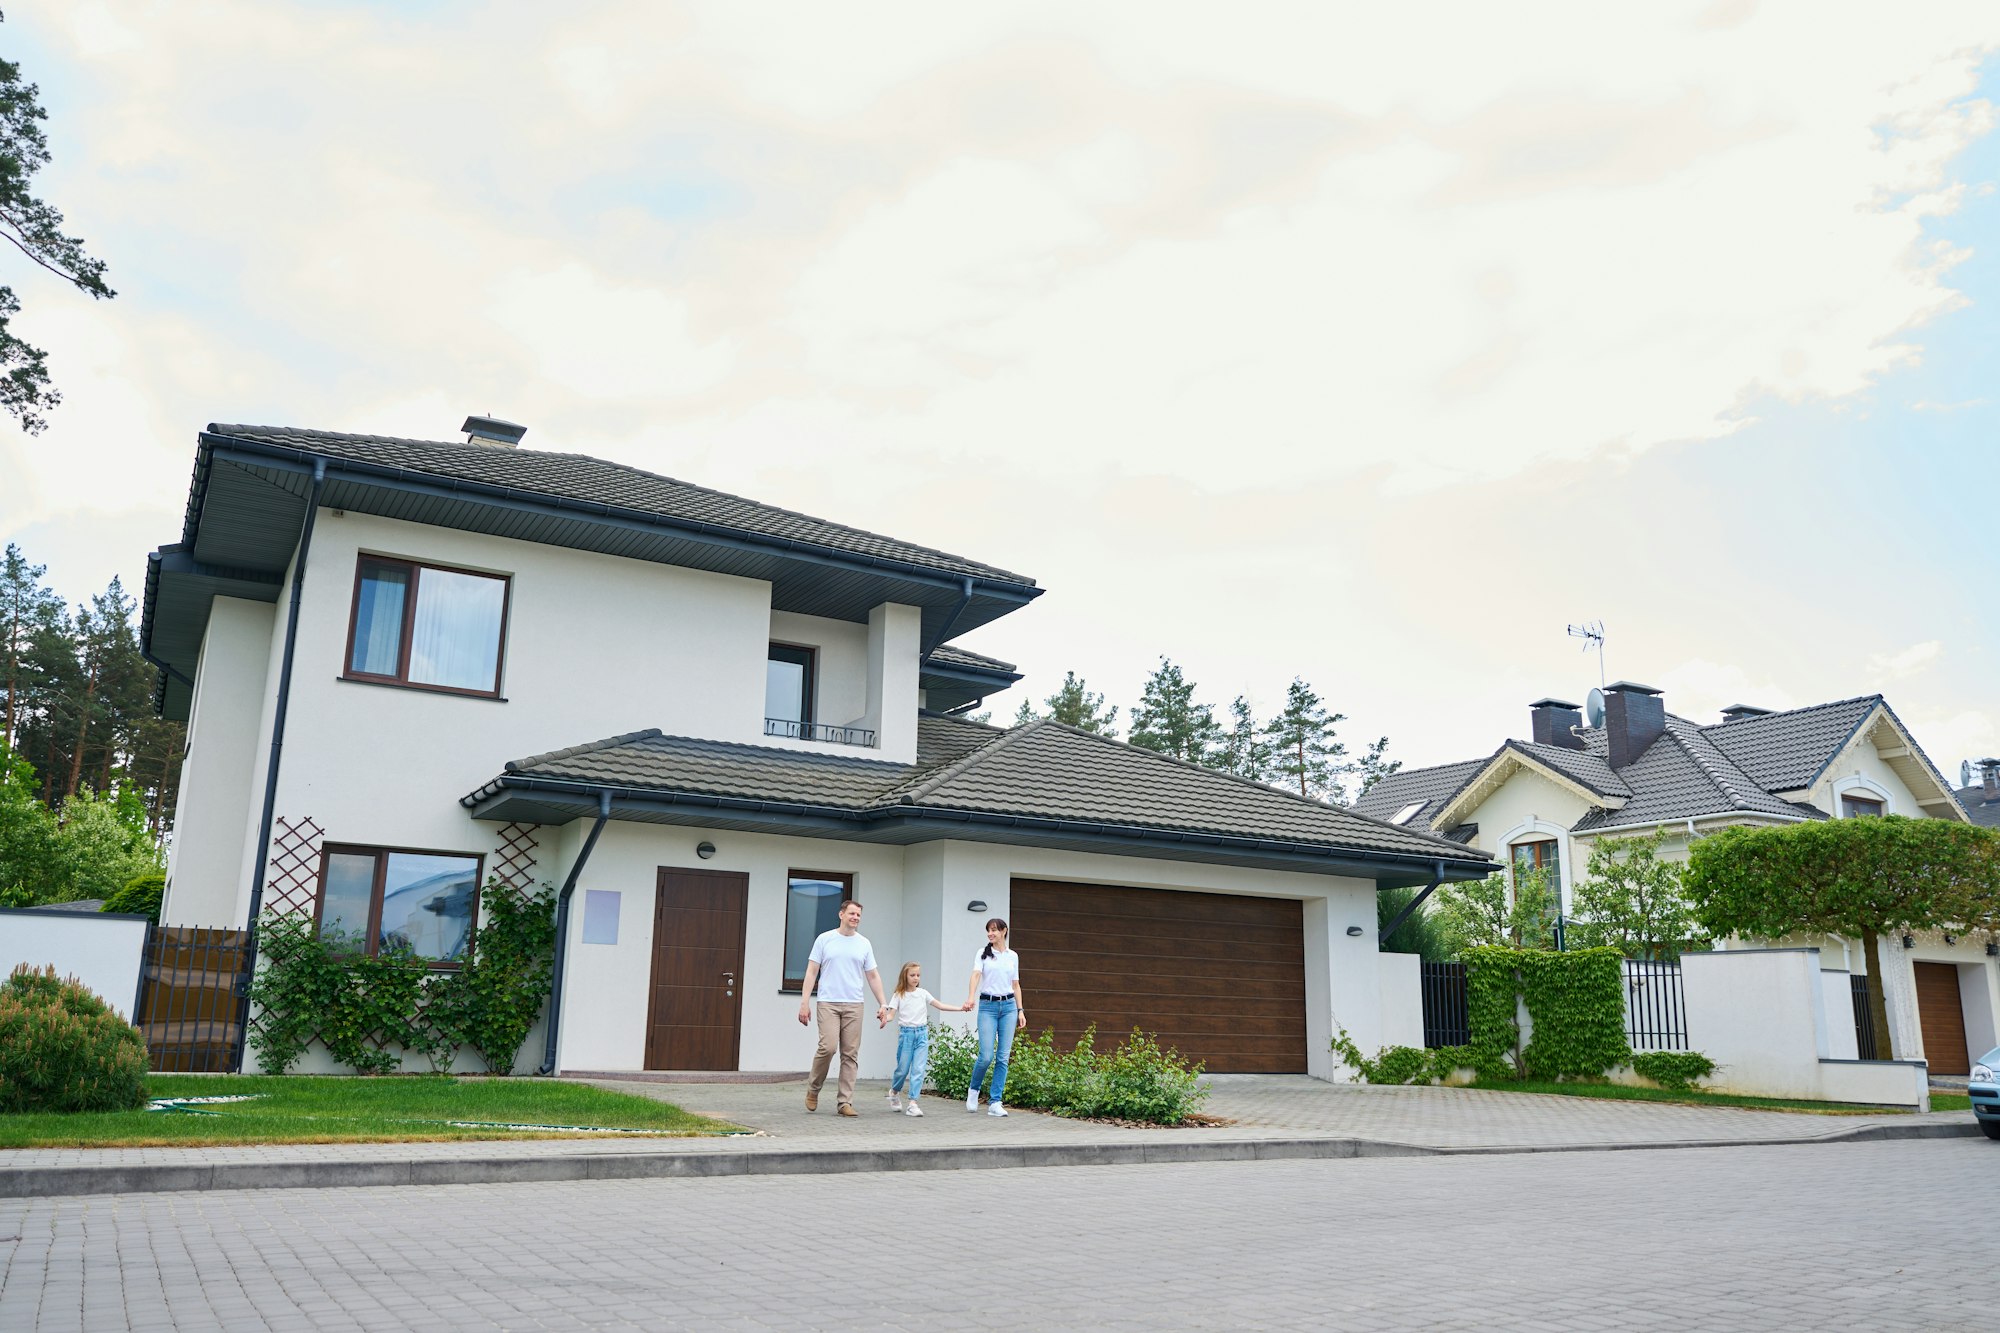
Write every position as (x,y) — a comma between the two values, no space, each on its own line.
(1985,1100)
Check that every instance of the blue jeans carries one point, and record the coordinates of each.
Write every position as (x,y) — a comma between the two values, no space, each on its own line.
(913,1048)
(996,1030)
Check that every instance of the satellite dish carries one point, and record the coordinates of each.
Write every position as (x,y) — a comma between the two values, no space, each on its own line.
(1593,707)
(1965,773)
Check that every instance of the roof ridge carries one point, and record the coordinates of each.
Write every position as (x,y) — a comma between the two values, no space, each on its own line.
(924,785)
(1709,772)
(1792,712)
(571,751)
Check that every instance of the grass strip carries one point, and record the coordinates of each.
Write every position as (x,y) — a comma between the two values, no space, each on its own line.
(1622,1093)
(301,1108)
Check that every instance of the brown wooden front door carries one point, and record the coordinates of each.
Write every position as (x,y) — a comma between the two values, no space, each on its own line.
(1942,1017)
(1220,978)
(695,1016)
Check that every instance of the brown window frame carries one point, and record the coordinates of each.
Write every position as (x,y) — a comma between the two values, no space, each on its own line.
(1877,806)
(401,680)
(382,854)
(787,984)
(808,688)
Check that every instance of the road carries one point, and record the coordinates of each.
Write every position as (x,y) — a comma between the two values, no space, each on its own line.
(1862,1235)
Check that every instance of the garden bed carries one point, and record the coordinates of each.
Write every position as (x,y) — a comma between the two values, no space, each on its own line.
(305,1109)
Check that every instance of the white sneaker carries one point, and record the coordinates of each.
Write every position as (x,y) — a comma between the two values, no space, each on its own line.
(972,1100)
(895,1103)
(996,1109)
(913,1108)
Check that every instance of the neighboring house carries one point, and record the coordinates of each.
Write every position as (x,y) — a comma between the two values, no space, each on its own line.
(1981,800)
(716,720)
(1543,802)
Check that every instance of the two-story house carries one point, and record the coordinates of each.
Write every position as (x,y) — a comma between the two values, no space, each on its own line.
(408,667)
(1543,803)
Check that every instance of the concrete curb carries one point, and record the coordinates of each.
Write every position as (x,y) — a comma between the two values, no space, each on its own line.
(58,1181)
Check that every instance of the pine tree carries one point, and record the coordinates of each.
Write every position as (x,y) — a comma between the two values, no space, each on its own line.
(1306,751)
(1074,706)
(1373,766)
(25,608)
(1243,750)
(1169,721)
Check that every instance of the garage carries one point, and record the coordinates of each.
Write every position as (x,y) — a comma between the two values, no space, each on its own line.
(1217,977)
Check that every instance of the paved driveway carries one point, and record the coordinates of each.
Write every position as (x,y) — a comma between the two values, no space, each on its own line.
(1865,1235)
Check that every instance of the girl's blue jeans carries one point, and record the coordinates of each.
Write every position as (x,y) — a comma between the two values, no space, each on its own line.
(996,1043)
(913,1047)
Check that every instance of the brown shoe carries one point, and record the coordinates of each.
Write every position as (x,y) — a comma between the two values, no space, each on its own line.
(812,1100)
(845,1109)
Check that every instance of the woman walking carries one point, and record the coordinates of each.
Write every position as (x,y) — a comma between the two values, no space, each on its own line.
(996,983)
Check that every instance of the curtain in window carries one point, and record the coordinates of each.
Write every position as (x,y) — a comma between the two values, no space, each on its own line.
(378,620)
(456,640)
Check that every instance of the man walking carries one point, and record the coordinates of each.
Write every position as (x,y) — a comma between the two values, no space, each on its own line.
(840,960)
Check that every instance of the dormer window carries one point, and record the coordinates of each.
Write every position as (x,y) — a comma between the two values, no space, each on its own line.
(788,691)
(427,626)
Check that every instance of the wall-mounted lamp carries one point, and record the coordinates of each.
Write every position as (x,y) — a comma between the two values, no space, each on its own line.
(1992,949)
(704,850)
(1353,931)
(1951,939)
(976,905)
(1909,942)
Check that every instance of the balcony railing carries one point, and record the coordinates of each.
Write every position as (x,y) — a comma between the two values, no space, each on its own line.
(818,731)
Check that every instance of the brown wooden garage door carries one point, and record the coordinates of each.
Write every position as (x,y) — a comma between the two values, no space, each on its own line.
(1942,1017)
(1219,978)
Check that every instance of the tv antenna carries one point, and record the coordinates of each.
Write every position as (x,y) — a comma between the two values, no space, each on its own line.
(1592,634)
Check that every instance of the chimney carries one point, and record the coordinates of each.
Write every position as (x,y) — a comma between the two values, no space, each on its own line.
(1737,712)
(1634,717)
(1551,720)
(494,431)
(1989,778)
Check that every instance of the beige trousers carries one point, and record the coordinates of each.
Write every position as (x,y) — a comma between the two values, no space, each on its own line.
(839,1028)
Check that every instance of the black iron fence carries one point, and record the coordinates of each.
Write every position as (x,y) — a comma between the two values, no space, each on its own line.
(1864,1018)
(1447,1020)
(192,998)
(1655,1014)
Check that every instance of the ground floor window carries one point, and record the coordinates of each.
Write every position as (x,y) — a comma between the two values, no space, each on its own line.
(382,896)
(812,907)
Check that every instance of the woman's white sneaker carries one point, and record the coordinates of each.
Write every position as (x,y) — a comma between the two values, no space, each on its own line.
(913,1108)
(972,1100)
(996,1109)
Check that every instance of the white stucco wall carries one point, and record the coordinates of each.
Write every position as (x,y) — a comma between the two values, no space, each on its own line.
(220,772)
(1528,805)
(102,951)
(1402,999)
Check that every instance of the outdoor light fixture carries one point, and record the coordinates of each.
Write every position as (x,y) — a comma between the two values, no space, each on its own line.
(704,850)
(1354,930)
(976,905)
(1992,949)
(1909,941)
(1951,939)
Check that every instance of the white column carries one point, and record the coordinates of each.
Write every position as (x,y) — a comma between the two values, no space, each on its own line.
(894,645)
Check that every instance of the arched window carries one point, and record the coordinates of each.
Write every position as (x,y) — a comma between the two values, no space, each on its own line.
(1539,854)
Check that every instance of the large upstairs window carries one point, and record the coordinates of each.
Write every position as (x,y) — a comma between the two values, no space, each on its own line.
(427,626)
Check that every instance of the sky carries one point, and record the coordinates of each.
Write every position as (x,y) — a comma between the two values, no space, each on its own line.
(1372,345)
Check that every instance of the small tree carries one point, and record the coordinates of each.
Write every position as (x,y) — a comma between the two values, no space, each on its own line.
(1374,765)
(1490,912)
(1857,878)
(1632,901)
(1306,751)
(1243,750)
(1170,722)
(1074,705)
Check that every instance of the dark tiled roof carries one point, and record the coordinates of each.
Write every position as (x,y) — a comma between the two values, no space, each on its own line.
(1683,775)
(1983,809)
(596,481)
(950,654)
(1585,766)
(1042,771)
(1786,751)
(1433,786)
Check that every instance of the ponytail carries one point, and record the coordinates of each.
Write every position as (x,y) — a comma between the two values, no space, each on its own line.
(991,922)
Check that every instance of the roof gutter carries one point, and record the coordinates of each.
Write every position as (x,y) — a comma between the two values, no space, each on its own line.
(272,767)
(1616,830)
(562,932)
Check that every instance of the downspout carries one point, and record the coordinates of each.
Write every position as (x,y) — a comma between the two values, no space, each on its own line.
(562,932)
(1437,878)
(944,630)
(271,769)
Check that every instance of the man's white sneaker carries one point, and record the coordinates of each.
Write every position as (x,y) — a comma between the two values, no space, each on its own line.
(913,1108)
(996,1109)
(972,1100)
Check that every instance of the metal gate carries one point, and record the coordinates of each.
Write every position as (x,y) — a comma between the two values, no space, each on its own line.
(1655,1017)
(192,997)
(1864,1018)
(1447,1020)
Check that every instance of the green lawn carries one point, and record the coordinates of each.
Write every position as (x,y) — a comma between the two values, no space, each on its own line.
(305,1109)
(1951,1101)
(1619,1092)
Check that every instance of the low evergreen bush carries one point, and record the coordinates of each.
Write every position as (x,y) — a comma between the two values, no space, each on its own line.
(63,1049)
(141,897)
(1134,1081)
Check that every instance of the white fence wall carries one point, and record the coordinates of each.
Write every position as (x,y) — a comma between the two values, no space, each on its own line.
(1768,1019)
(1402,999)
(101,950)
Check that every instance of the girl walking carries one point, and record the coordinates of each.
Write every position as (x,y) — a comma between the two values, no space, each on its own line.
(996,981)
(912,1004)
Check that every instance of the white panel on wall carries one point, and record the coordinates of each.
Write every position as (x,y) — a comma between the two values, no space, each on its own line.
(600,915)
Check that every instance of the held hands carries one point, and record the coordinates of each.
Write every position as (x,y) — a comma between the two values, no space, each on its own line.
(882,1015)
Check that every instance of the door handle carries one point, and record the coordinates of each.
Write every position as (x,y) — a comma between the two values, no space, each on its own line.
(729,983)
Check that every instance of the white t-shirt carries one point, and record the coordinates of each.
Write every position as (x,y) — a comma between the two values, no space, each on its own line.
(844,964)
(913,1008)
(997,974)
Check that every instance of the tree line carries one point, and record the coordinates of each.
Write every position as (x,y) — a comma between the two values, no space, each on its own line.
(88,773)
(1299,748)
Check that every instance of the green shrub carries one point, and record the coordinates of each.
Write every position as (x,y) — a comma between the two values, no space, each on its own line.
(1134,1081)
(362,1008)
(63,1049)
(491,1001)
(1402,1064)
(141,897)
(1678,1071)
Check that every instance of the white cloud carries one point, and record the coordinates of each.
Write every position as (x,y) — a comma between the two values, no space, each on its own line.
(1885,667)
